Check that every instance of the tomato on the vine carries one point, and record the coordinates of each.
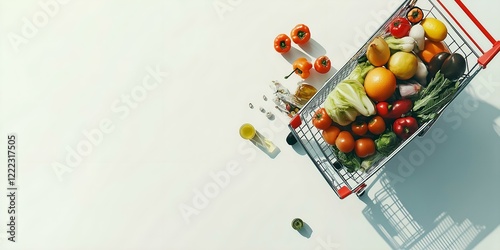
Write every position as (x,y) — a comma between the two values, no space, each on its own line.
(321,120)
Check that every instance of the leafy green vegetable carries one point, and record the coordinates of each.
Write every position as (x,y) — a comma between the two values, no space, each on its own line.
(342,115)
(349,160)
(346,101)
(405,44)
(360,71)
(439,92)
(353,92)
(386,143)
(368,162)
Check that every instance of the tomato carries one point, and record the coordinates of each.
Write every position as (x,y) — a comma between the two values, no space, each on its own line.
(415,15)
(322,64)
(359,127)
(282,43)
(330,134)
(300,34)
(364,147)
(345,142)
(376,125)
(399,27)
(321,120)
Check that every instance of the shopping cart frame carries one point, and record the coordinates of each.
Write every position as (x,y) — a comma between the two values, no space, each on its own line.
(322,154)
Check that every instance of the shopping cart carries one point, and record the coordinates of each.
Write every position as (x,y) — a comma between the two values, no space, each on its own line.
(323,155)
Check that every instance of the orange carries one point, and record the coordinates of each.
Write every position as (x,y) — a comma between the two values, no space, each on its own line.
(430,49)
(380,84)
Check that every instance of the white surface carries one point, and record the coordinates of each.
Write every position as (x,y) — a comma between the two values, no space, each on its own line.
(77,70)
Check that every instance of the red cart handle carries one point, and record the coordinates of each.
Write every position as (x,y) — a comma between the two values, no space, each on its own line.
(488,55)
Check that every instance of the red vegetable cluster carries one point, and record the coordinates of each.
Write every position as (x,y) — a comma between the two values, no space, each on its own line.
(301,35)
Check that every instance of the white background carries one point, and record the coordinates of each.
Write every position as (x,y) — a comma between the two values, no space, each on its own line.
(75,69)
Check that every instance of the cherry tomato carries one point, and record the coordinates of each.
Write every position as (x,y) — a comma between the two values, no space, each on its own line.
(345,142)
(330,134)
(399,27)
(359,127)
(376,125)
(364,147)
(322,64)
(321,120)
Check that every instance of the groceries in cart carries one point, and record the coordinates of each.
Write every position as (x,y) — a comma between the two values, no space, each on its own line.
(391,90)
(404,78)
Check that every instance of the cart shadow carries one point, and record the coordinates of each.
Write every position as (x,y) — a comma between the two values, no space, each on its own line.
(448,200)
(273,152)
(306,230)
(318,80)
(313,48)
(299,149)
(295,53)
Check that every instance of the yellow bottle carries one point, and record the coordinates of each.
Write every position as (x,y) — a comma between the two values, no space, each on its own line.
(248,132)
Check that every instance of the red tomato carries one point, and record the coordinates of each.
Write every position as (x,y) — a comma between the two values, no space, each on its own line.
(376,125)
(282,43)
(300,34)
(321,120)
(345,142)
(359,127)
(364,147)
(322,64)
(399,27)
(330,134)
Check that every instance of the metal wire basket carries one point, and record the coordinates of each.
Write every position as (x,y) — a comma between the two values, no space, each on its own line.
(323,155)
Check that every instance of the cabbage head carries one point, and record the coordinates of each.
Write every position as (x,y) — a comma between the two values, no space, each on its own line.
(348,100)
(360,71)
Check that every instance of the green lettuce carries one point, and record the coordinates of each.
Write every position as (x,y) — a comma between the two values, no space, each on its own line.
(386,143)
(348,100)
(368,162)
(349,160)
(360,71)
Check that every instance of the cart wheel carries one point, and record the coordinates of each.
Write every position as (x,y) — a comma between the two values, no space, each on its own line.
(360,191)
(337,165)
